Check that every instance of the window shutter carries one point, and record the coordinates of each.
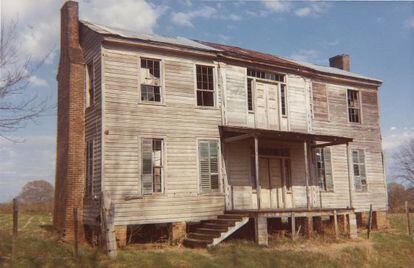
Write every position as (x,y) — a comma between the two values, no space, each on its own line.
(214,164)
(147,168)
(203,149)
(328,169)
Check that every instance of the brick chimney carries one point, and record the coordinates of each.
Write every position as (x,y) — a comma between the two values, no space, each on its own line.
(340,62)
(70,155)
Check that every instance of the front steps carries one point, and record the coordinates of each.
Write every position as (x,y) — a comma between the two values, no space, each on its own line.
(211,232)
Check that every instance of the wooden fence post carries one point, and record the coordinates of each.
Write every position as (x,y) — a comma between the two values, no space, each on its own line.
(15,227)
(407,212)
(369,221)
(75,231)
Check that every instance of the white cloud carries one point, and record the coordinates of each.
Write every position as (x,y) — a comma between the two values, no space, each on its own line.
(185,18)
(138,16)
(37,81)
(307,55)
(392,141)
(314,9)
(277,5)
(34,158)
(234,17)
(39,21)
(409,23)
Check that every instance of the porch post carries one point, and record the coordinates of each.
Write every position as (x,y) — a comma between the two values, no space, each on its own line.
(305,149)
(349,175)
(256,161)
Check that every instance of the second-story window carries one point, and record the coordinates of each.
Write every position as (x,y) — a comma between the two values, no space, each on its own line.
(283,101)
(354,109)
(89,85)
(150,80)
(205,86)
(250,94)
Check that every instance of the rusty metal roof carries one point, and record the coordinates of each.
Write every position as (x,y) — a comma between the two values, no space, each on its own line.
(226,50)
(259,56)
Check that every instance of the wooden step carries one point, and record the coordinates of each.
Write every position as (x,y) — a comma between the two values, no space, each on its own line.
(230,216)
(205,230)
(195,243)
(227,222)
(202,236)
(220,226)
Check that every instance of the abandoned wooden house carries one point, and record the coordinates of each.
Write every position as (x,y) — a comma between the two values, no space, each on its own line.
(206,138)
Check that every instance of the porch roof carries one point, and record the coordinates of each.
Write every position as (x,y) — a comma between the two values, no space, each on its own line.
(231,133)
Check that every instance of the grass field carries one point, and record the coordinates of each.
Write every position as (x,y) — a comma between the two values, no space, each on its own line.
(37,246)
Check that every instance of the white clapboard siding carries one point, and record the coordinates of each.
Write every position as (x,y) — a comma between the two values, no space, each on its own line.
(176,120)
(93,122)
(366,136)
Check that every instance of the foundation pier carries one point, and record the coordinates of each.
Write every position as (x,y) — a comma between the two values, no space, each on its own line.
(262,237)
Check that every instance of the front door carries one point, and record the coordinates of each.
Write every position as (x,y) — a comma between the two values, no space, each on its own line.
(271,182)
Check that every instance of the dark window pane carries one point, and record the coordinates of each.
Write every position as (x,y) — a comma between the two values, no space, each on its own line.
(249,94)
(199,98)
(208,98)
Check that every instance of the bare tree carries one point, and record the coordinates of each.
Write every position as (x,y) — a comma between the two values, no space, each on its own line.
(404,162)
(19,104)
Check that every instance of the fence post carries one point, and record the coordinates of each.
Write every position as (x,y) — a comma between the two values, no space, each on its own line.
(407,212)
(75,231)
(369,221)
(15,226)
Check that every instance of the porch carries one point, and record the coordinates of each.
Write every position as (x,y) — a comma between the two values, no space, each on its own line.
(268,169)
(273,175)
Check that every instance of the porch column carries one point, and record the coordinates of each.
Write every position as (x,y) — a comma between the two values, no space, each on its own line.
(349,175)
(256,161)
(305,149)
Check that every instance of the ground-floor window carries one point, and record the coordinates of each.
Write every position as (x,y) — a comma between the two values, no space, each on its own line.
(360,175)
(324,168)
(208,165)
(152,165)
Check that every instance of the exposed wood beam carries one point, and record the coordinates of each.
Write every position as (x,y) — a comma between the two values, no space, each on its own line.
(325,144)
(238,138)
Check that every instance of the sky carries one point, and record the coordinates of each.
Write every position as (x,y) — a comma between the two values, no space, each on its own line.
(378,36)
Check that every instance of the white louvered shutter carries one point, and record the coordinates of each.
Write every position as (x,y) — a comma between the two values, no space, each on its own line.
(328,169)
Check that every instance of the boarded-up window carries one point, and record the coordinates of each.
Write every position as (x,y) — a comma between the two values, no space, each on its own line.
(360,175)
(324,168)
(152,166)
(205,85)
(89,85)
(208,165)
(250,94)
(320,101)
(354,109)
(89,168)
(150,80)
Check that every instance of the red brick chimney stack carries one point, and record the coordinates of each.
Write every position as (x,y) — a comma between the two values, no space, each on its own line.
(340,62)
(70,150)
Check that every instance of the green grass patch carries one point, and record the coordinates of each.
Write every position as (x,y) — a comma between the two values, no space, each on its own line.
(37,246)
